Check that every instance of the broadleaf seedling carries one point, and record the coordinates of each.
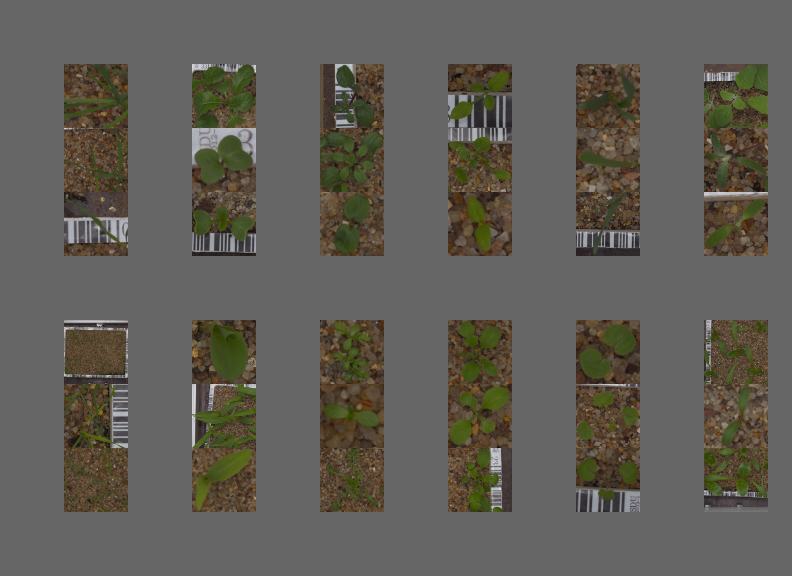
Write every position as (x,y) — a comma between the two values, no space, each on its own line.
(630,415)
(496,83)
(620,338)
(479,480)
(352,485)
(347,236)
(629,472)
(343,163)
(222,470)
(482,413)
(471,155)
(229,156)
(213,90)
(228,351)
(354,366)
(584,431)
(356,109)
(603,399)
(365,418)
(240,226)
(587,470)
(476,347)
(593,364)
(752,211)
(478,215)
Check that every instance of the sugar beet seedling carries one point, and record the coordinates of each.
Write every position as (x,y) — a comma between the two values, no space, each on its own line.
(213,91)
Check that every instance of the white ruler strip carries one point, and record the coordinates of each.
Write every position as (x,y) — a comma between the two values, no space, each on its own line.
(226,67)
(496,492)
(733,196)
(86,231)
(720,76)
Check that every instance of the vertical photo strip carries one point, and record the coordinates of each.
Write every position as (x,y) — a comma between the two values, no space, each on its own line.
(224,416)
(736,159)
(479,159)
(608,416)
(95,159)
(479,416)
(608,160)
(95,415)
(224,159)
(736,431)
(352,415)
(352,160)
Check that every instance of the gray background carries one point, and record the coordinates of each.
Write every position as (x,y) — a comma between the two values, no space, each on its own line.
(416,287)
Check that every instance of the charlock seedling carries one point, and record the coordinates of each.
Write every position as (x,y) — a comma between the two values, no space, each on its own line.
(228,156)
(480,481)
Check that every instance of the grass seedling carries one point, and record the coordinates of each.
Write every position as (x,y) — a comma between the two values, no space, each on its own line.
(77,107)
(240,226)
(365,418)
(228,156)
(222,470)
(476,345)
(480,481)
(351,486)
(496,83)
(493,400)
(344,164)
(114,178)
(354,366)
(355,108)
(753,210)
(473,154)
(213,90)
(347,236)
(229,352)
(233,425)
(610,98)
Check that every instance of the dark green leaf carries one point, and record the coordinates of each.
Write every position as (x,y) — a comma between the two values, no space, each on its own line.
(593,364)
(241,102)
(483,457)
(243,77)
(345,77)
(584,431)
(466,329)
(720,117)
(629,472)
(209,162)
(346,239)
(620,338)
(212,75)
(630,415)
(495,398)
(742,485)
(460,432)
(760,81)
(588,470)
(470,371)
(462,110)
(489,102)
(240,227)
(207,120)
(475,210)
(745,78)
(364,113)
(718,236)
(229,352)
(229,466)
(202,222)
(603,399)
(482,144)
(488,367)
(498,81)
(221,218)
(483,238)
(336,411)
(357,208)
(490,337)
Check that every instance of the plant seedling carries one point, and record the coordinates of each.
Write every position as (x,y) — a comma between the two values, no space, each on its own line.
(351,486)
(603,399)
(76,107)
(587,470)
(610,98)
(751,77)
(475,345)
(365,418)
(355,108)
(494,399)
(630,415)
(620,338)
(610,212)
(240,226)
(723,158)
(228,156)
(478,215)
(593,364)
(629,472)
(213,90)
(480,481)
(233,413)
(496,83)
(590,157)
(343,163)
(753,209)
(115,178)
(347,236)
(355,367)
(229,352)
(225,468)
(473,154)
(584,431)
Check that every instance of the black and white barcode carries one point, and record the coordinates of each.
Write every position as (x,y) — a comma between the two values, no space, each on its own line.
(497,135)
(733,494)
(708,348)
(120,428)
(225,67)
(341,120)
(624,239)
(589,500)
(720,76)
(499,117)
(223,242)
(86,231)
(496,492)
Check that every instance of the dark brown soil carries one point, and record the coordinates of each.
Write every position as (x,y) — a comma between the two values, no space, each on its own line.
(750,143)
(461,230)
(222,395)
(223,113)
(86,408)
(501,356)
(462,76)
(624,370)
(371,80)
(614,442)
(95,352)
(748,117)
(352,480)
(203,372)
(85,153)
(236,192)
(482,179)
(95,250)
(367,393)
(80,81)
(237,494)
(95,479)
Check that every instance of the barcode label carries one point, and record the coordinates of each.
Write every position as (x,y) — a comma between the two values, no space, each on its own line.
(87,231)
(341,120)
(226,67)
(211,137)
(708,348)
(720,76)
(223,242)
(618,239)
(496,492)
(120,428)
(589,500)
(499,117)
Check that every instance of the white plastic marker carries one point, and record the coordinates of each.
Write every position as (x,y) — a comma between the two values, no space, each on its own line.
(340,117)
(733,196)
(589,500)
(225,67)
(496,492)
(720,76)
(618,239)
(210,138)
(87,231)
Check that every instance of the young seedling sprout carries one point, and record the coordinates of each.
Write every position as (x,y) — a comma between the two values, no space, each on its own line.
(77,107)
(240,226)
(222,470)
(352,488)
(617,336)
(229,352)
(355,108)
(494,399)
(347,236)
(365,418)
(752,211)
(228,156)
(233,414)
(479,480)
(354,366)
(478,215)
(213,90)
(476,362)
(344,164)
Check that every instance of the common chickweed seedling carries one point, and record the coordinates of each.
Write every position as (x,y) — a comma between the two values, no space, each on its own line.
(229,352)
(232,413)
(355,108)
(352,488)
(365,418)
(493,400)
(240,226)
(617,336)
(213,90)
(344,164)
(76,107)
(228,156)
(752,78)
(354,366)
(116,177)
(225,468)
(475,346)
(753,209)
(480,481)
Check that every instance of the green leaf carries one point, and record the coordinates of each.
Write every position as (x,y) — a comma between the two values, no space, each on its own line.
(728,96)
(364,113)
(745,395)
(595,103)
(490,337)
(603,399)
(212,75)
(209,162)
(620,338)
(745,78)
(710,459)
(475,210)
(723,172)
(373,141)
(346,239)
(462,110)
(629,472)
(461,175)
(589,157)
(720,117)
(243,77)
(742,485)
(498,81)
(359,175)
(366,418)
(730,432)
(467,399)
(483,457)
(221,218)
(357,208)
(584,431)
(502,175)
(201,492)
(229,352)
(478,502)
(758,103)
(487,426)
(483,238)
(630,415)
(488,367)
(240,227)
(495,398)
(202,222)
(238,160)
(730,375)
(241,102)
(606,495)
(588,469)
(207,120)
(744,470)
(345,77)
(336,411)
(204,102)
(593,364)
(760,82)
(335,140)
(466,329)
(489,102)
(470,371)
(739,103)
(753,209)
(713,487)
(482,145)
(718,236)
(229,466)
(460,432)
(726,451)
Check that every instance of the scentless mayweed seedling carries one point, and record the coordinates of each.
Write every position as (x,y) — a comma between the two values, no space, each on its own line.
(752,211)
(471,156)
(233,413)
(479,479)
(228,156)
(225,468)
(355,108)
(229,352)
(240,226)
(478,215)
(354,366)
(344,164)
(347,236)
(475,346)
(76,107)
(494,399)
(213,90)
(365,418)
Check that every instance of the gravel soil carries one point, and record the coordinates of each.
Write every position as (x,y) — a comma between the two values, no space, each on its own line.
(501,356)
(352,480)
(362,394)
(624,370)
(95,479)
(223,113)
(371,82)
(222,395)
(95,249)
(203,371)
(86,408)
(461,239)
(90,352)
(80,81)
(749,143)
(482,179)
(751,239)
(606,133)
(98,197)
(614,442)
(237,494)
(720,399)
(462,76)
(237,192)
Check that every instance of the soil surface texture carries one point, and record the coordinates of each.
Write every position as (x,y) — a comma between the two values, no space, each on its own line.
(236,192)
(82,81)
(95,479)
(458,491)
(624,369)
(237,494)
(95,249)
(95,352)
(461,229)
(203,371)
(224,113)
(462,76)
(750,143)
(352,480)
(86,409)
(86,155)
(750,239)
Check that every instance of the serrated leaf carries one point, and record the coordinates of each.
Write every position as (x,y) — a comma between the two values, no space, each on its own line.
(221,218)
(243,77)
(745,78)
(758,103)
(212,75)
(495,398)
(346,239)
(720,116)
(742,486)
(241,102)
(760,81)
(364,113)
(595,103)
(229,352)
(488,367)
(345,77)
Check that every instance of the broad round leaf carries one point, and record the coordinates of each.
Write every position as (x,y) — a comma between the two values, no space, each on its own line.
(629,472)
(212,75)
(470,371)
(373,141)
(241,102)
(460,432)
(488,367)
(366,418)
(593,364)
(207,120)
(229,466)
(489,102)
(462,110)
(229,352)
(336,411)
(467,399)
(758,103)
(364,113)
(490,337)
(466,329)
(720,117)
(211,171)
(603,399)
(588,470)
(357,208)
(745,78)
(346,239)
(202,222)
(487,426)
(498,81)
(345,77)
(482,144)
(630,415)
(761,77)
(495,398)
(584,431)
(620,338)
(240,227)
(483,457)
(243,77)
